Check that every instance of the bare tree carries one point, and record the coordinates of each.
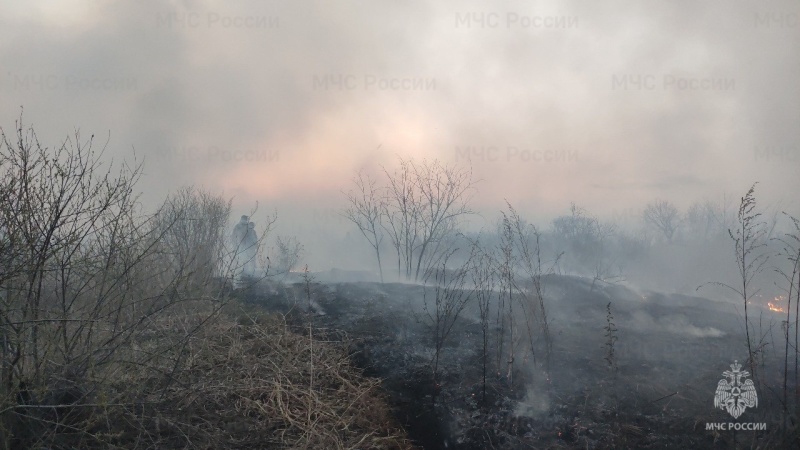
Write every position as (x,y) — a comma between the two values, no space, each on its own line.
(445,192)
(709,219)
(424,202)
(366,211)
(700,219)
(402,209)
(664,216)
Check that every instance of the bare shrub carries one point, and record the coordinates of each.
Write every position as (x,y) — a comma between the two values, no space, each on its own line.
(450,297)
(527,243)
(190,228)
(611,341)
(585,240)
(84,277)
(506,264)
(484,277)
(288,252)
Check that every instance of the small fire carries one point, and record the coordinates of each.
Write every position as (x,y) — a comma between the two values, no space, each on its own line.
(773,306)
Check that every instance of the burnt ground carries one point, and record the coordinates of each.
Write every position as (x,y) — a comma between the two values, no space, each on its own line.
(670,352)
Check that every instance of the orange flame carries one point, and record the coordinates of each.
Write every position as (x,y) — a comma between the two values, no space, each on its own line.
(773,304)
(772,307)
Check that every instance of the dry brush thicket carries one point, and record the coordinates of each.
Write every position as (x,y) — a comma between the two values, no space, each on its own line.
(116,329)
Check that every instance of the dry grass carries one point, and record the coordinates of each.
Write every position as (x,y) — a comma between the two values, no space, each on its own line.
(243,380)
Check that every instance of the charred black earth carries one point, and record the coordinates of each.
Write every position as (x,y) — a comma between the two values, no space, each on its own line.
(670,352)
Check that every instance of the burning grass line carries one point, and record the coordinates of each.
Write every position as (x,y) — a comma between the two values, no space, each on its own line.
(662,398)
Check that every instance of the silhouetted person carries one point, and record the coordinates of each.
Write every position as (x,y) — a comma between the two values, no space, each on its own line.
(250,245)
(239,232)
(238,242)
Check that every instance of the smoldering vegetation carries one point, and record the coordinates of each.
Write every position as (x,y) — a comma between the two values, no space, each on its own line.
(588,333)
(123,327)
(660,397)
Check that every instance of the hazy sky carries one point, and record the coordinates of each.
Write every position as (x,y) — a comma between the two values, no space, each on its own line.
(608,104)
